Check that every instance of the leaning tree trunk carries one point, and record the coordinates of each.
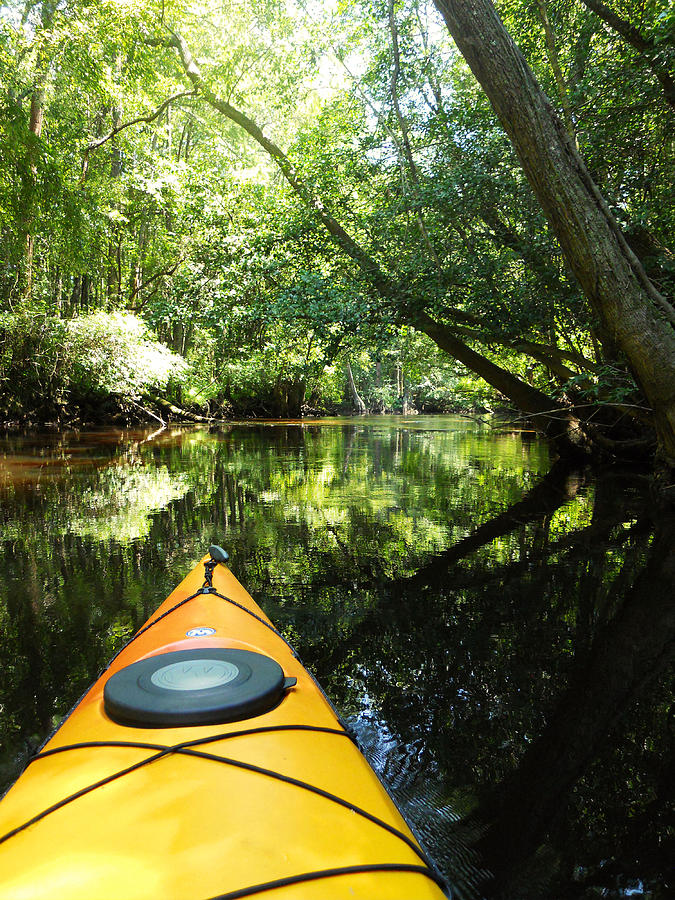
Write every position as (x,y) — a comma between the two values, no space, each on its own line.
(637,316)
(559,423)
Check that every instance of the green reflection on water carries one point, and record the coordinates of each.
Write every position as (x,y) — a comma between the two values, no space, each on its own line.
(443,586)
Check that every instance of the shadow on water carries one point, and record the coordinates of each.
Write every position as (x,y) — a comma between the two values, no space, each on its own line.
(564,732)
(498,630)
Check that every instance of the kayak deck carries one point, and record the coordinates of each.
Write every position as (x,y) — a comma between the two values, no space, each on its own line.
(279,803)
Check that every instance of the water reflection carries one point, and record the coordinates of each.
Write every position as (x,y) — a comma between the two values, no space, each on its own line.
(499,630)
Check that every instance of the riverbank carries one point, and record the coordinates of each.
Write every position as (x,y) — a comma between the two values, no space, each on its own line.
(125,411)
(105,368)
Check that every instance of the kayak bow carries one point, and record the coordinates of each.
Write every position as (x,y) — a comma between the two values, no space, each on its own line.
(206,764)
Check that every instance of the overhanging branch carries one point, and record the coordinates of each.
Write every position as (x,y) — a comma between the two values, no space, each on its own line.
(644,45)
(141,287)
(94,145)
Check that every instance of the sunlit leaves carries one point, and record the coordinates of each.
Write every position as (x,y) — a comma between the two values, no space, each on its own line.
(187,221)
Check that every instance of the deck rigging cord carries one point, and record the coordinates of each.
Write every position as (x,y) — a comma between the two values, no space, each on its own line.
(331,873)
(188,748)
(206,588)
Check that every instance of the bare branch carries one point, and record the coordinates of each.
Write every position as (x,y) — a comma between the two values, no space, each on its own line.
(137,290)
(94,145)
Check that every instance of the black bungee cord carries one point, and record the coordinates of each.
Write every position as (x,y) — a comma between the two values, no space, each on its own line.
(218,555)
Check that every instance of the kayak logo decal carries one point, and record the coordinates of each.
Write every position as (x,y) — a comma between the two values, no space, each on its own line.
(195,675)
(201,631)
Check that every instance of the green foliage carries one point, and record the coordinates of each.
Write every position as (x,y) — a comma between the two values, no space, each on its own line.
(48,364)
(183,220)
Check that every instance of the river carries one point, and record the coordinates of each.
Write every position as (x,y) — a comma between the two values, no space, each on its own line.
(497,629)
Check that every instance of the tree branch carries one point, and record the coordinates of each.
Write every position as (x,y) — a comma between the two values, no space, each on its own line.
(94,145)
(405,138)
(646,46)
(627,31)
(563,428)
(554,59)
(160,274)
(380,280)
(548,356)
(557,354)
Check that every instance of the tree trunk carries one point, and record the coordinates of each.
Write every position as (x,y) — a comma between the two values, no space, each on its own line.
(554,59)
(636,315)
(359,405)
(84,292)
(407,407)
(58,293)
(114,275)
(75,296)
(405,138)
(35,124)
(555,420)
(35,128)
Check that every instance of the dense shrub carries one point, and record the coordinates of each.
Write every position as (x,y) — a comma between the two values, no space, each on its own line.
(98,360)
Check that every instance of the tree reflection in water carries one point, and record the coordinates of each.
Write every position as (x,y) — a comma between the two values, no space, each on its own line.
(500,631)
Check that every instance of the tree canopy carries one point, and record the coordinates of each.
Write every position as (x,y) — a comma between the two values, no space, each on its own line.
(313,203)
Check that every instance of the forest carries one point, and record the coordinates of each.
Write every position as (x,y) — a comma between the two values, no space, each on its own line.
(268,208)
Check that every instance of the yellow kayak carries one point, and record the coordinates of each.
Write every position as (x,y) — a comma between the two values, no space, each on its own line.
(206,764)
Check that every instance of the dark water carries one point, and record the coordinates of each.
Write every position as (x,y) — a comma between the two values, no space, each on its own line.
(499,631)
